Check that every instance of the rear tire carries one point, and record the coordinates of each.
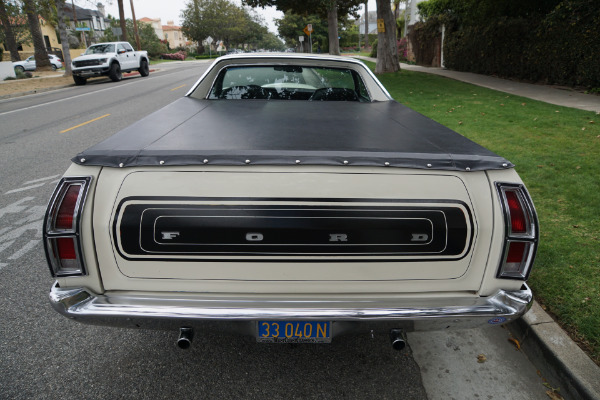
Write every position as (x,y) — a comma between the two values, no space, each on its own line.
(53,67)
(79,81)
(115,73)
(144,70)
(19,68)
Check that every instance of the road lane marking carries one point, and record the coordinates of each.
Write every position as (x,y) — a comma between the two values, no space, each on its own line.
(85,123)
(24,250)
(26,187)
(178,87)
(135,81)
(41,179)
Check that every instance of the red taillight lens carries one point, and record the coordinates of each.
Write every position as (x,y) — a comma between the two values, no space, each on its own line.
(518,221)
(521,238)
(62,227)
(66,210)
(515,252)
(66,249)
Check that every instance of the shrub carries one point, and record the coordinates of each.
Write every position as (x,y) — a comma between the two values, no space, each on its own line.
(180,55)
(374,49)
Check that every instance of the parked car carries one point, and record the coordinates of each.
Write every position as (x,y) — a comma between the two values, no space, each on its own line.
(290,198)
(109,59)
(29,63)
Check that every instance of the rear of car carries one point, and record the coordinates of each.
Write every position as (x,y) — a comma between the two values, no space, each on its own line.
(249,229)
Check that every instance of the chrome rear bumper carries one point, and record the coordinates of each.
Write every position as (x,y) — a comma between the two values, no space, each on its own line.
(173,310)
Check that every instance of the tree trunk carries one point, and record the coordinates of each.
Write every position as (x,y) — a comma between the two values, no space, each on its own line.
(11,43)
(387,48)
(366,24)
(42,62)
(122,21)
(332,23)
(64,38)
(135,28)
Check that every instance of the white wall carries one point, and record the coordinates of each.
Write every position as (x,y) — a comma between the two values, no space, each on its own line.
(6,70)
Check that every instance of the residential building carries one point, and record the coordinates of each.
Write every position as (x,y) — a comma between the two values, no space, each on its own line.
(156,24)
(174,35)
(26,49)
(95,20)
(372,23)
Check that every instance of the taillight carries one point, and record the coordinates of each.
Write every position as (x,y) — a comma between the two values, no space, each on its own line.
(62,227)
(521,232)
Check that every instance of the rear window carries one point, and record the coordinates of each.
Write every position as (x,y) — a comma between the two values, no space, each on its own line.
(288,82)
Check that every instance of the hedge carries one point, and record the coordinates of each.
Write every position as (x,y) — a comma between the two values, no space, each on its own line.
(561,48)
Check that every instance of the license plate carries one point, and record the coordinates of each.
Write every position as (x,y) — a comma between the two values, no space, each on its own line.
(294,332)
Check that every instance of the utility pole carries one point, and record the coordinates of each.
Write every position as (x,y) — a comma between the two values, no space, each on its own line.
(366,24)
(135,28)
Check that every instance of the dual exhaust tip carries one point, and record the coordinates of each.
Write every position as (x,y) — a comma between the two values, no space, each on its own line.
(186,335)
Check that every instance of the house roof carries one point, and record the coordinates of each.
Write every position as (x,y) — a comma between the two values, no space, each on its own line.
(82,13)
(171,28)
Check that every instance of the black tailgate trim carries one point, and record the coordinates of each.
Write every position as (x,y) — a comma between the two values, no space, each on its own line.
(151,231)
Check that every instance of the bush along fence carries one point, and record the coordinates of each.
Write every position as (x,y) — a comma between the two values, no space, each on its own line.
(561,48)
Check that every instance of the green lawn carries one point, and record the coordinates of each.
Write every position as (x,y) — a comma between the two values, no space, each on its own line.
(557,153)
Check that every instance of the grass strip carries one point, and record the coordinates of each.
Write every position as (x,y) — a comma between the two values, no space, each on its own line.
(557,154)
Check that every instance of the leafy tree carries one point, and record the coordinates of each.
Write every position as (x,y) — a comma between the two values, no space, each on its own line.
(270,41)
(291,26)
(331,10)
(222,20)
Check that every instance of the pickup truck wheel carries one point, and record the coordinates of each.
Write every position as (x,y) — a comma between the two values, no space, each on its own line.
(53,67)
(79,81)
(19,68)
(115,72)
(144,69)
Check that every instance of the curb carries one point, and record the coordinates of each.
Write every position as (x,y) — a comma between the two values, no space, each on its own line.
(556,355)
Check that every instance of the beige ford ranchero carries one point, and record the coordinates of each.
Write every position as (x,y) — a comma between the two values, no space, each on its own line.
(290,198)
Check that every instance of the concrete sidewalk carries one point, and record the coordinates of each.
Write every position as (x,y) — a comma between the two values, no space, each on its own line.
(550,94)
(548,347)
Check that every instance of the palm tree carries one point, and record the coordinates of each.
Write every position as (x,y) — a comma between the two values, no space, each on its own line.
(11,43)
(62,30)
(42,61)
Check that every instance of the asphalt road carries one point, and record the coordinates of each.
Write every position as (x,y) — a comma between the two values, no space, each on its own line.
(45,356)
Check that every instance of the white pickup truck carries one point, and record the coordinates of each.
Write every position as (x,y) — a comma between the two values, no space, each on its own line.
(109,59)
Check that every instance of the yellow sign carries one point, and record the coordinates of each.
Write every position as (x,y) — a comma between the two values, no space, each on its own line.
(380,26)
(308,29)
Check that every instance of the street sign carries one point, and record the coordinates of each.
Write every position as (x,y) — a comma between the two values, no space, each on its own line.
(209,40)
(308,29)
(117,31)
(301,38)
(380,26)
(82,29)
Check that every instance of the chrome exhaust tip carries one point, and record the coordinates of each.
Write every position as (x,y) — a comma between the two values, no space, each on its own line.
(398,339)
(186,335)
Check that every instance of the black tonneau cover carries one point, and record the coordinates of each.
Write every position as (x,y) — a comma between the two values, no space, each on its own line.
(262,132)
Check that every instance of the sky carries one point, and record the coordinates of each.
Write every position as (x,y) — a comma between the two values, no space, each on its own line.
(170,10)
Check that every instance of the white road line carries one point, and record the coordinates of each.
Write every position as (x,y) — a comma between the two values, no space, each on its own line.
(25,188)
(24,250)
(84,94)
(5,245)
(41,179)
